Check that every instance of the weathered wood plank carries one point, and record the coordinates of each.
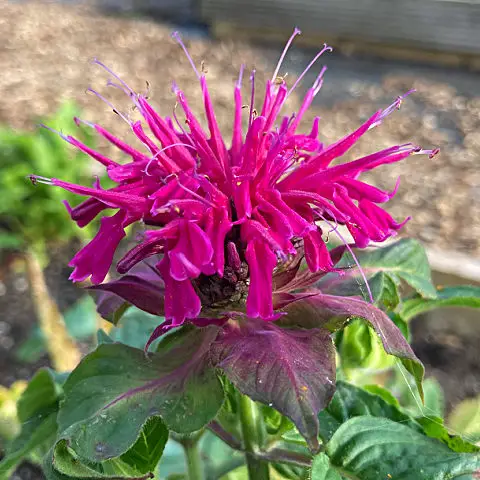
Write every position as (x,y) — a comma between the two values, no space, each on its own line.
(448,26)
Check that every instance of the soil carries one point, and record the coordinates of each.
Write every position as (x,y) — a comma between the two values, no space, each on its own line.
(45,50)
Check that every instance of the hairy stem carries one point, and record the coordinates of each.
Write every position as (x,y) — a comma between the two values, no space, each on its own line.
(249,418)
(62,350)
(194,461)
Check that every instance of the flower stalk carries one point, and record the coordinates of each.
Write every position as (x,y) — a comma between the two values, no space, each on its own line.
(251,432)
(193,459)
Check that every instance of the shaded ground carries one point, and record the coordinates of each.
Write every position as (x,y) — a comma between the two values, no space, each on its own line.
(17,316)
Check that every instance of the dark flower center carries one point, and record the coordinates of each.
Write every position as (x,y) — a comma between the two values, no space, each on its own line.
(217,292)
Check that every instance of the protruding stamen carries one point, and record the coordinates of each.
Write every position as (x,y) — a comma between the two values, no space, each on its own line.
(285,50)
(103,99)
(252,100)
(39,179)
(62,135)
(430,152)
(355,259)
(175,87)
(196,195)
(120,87)
(240,76)
(317,85)
(162,150)
(180,126)
(114,75)
(326,48)
(79,121)
(391,108)
(176,36)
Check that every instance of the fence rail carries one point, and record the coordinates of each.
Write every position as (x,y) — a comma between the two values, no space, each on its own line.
(437,25)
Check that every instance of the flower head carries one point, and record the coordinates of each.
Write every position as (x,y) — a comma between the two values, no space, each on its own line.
(225,216)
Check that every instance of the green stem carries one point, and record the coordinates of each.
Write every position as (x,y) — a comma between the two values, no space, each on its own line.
(257,469)
(194,461)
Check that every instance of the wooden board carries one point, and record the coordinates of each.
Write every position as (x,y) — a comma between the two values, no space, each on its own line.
(436,25)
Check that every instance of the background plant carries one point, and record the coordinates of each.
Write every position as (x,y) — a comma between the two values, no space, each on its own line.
(33,221)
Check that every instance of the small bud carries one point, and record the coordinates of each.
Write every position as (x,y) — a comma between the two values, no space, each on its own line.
(233,257)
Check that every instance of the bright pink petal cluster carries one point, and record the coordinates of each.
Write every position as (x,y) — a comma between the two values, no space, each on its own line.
(225,218)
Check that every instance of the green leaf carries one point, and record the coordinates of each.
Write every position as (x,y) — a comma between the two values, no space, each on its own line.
(384,267)
(361,349)
(383,393)
(36,215)
(434,398)
(148,449)
(459,296)
(103,337)
(465,419)
(368,447)
(289,471)
(351,401)
(433,427)
(172,461)
(219,459)
(116,389)
(10,241)
(322,470)
(68,464)
(37,411)
(275,422)
(135,328)
(62,463)
(81,319)
(39,431)
(433,404)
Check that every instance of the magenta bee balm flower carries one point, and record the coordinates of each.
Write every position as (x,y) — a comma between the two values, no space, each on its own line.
(227,215)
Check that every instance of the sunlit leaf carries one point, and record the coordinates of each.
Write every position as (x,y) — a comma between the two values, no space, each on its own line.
(369,447)
(322,469)
(384,268)
(459,296)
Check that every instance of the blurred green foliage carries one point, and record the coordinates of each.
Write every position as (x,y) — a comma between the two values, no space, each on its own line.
(32,216)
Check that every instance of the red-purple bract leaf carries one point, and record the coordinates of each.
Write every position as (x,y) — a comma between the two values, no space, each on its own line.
(328,307)
(290,370)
